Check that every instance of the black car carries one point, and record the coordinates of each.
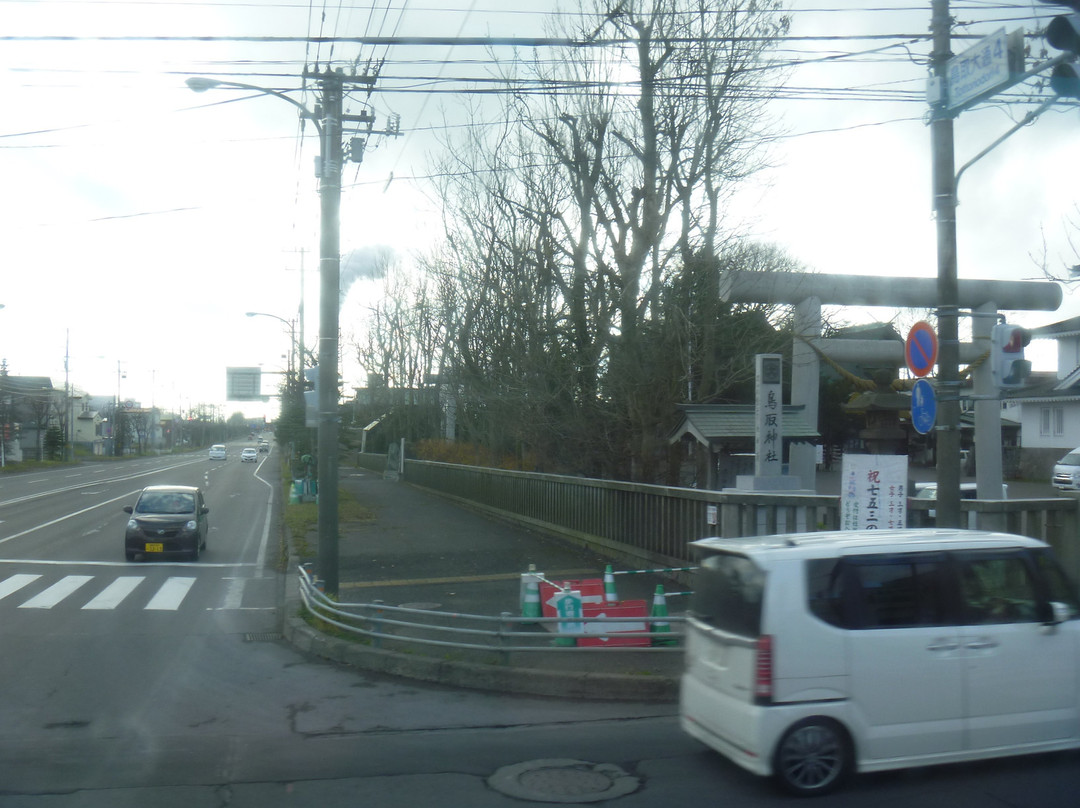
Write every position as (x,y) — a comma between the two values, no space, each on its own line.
(167,521)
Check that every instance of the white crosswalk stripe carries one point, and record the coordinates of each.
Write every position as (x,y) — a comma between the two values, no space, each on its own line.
(57,592)
(113,595)
(16,582)
(153,591)
(171,594)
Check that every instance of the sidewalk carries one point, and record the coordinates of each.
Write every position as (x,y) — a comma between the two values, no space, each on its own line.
(425,552)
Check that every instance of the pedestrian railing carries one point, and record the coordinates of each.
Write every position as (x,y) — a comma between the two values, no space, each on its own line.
(655,524)
(485,638)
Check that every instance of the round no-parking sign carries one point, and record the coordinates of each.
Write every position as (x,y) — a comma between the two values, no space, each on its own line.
(920,350)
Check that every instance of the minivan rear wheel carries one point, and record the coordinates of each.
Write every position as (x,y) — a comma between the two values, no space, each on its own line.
(814,757)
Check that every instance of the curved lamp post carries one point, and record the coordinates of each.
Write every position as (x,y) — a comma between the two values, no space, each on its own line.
(295,353)
(329,174)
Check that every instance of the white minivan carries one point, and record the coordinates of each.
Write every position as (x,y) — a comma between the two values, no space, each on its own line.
(809,656)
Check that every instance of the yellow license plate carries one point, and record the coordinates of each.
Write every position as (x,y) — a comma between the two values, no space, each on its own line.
(155,547)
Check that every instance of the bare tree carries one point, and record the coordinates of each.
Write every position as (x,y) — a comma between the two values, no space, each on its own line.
(574,225)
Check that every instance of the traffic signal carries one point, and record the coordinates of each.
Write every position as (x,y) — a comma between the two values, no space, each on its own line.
(1063,33)
(356,149)
(311,396)
(1007,364)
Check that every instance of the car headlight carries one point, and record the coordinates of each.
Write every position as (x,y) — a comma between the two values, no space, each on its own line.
(191,525)
(132,525)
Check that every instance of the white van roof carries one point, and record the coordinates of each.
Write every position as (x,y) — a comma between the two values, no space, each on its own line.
(849,542)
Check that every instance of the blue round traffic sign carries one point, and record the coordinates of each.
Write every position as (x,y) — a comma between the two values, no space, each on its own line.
(923,406)
(920,350)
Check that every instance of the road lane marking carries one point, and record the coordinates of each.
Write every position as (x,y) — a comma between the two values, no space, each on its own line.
(57,562)
(171,595)
(57,592)
(68,516)
(15,583)
(112,595)
(234,596)
(133,476)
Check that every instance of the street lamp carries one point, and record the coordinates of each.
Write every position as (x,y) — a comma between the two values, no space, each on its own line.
(292,336)
(328,125)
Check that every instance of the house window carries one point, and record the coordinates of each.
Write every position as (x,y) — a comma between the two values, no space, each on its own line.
(1052,421)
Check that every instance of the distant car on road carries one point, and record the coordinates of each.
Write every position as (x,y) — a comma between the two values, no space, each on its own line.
(264,446)
(249,455)
(1067,472)
(167,520)
(217,451)
(967,491)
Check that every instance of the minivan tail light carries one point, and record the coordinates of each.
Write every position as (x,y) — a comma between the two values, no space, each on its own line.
(763,668)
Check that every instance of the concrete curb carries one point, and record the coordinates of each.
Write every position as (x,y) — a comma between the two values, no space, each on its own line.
(567,684)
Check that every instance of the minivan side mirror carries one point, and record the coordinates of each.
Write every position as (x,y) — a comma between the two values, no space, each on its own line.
(128,509)
(1054,613)
(1061,611)
(204,509)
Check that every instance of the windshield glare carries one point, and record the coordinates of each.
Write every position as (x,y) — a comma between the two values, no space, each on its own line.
(166,503)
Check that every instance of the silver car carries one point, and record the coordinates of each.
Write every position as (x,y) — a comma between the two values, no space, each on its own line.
(1067,472)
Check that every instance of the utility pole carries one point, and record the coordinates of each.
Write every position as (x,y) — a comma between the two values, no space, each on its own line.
(329,281)
(330,114)
(948,310)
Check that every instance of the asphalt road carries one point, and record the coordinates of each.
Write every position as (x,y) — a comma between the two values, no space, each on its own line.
(195,702)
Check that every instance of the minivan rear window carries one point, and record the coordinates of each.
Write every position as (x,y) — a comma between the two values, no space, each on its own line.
(728,592)
(874,592)
(899,594)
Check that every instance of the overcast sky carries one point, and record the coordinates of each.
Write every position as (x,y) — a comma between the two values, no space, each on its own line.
(140,220)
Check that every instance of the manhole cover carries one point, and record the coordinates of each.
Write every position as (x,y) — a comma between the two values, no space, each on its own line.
(565,781)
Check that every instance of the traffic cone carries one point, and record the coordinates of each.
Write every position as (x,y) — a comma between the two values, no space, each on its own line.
(530,600)
(659,609)
(609,587)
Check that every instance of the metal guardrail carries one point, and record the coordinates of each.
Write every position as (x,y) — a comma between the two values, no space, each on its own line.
(405,628)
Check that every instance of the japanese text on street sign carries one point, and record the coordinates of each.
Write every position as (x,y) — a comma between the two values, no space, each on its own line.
(981,68)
